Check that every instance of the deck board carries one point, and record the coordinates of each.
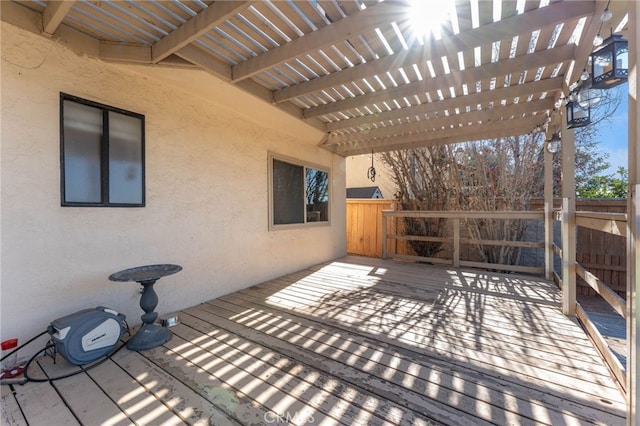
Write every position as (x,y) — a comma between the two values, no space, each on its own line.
(11,414)
(357,341)
(190,406)
(141,406)
(42,405)
(93,405)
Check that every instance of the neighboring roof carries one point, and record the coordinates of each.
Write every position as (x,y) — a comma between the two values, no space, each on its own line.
(364,192)
(354,69)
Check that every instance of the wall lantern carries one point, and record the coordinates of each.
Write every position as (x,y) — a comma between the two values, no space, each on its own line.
(578,114)
(610,63)
(554,144)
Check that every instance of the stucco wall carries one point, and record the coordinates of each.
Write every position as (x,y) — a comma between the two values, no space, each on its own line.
(206,191)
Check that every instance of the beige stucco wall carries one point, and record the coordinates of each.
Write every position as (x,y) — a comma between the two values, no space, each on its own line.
(206,190)
(357,167)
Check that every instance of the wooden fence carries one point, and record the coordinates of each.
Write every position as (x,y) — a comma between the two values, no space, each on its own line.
(364,226)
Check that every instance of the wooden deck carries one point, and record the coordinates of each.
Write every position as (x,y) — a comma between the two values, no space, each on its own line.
(358,341)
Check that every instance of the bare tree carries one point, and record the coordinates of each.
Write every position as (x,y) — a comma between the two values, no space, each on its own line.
(488,176)
(498,175)
(421,176)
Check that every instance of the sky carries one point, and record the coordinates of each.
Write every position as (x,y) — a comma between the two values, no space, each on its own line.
(613,137)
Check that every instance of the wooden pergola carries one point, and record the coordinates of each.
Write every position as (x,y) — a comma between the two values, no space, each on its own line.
(364,75)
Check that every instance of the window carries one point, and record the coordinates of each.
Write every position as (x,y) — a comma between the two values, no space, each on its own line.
(299,193)
(101,154)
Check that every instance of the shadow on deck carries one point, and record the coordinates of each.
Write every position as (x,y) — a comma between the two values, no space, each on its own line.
(355,341)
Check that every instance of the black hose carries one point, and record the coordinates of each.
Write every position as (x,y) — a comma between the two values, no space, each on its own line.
(47,346)
(82,369)
(22,346)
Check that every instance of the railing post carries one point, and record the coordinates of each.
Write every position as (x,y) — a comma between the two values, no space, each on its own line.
(568,257)
(384,236)
(548,214)
(633,218)
(456,242)
(633,291)
(568,220)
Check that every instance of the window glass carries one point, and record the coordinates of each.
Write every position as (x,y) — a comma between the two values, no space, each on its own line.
(317,194)
(125,158)
(288,193)
(82,142)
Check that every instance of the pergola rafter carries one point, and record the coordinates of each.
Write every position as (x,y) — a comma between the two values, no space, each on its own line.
(54,14)
(196,27)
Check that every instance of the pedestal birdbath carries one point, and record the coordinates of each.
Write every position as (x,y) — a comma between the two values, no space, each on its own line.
(150,334)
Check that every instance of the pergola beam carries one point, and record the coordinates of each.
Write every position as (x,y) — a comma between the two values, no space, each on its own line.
(53,15)
(591,28)
(461,102)
(445,140)
(127,53)
(199,57)
(374,16)
(455,79)
(196,27)
(501,113)
(520,24)
(441,137)
(532,20)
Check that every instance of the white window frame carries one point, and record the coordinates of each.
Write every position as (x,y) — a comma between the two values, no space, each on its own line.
(305,165)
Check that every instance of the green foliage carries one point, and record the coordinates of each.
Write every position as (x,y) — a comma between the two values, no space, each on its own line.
(590,159)
(610,186)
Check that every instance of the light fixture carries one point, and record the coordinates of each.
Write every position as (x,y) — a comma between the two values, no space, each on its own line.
(554,144)
(585,75)
(589,97)
(606,15)
(371,173)
(610,63)
(577,115)
(597,41)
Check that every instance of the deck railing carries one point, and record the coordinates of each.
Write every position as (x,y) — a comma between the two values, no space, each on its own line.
(456,239)
(611,223)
